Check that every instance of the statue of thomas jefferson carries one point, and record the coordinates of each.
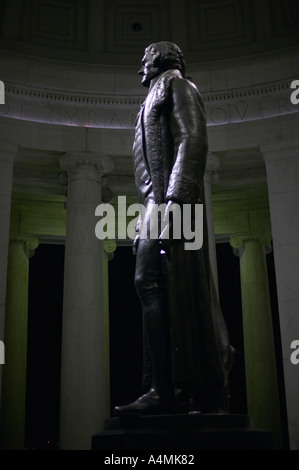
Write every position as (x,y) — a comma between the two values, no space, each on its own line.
(187,348)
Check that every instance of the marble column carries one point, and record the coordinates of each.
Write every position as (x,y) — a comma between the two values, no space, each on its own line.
(14,372)
(260,362)
(213,163)
(282,168)
(6,177)
(83,405)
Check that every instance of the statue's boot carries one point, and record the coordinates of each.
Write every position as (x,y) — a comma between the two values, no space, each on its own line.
(148,404)
(160,398)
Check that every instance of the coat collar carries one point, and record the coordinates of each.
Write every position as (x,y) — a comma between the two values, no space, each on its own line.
(165,74)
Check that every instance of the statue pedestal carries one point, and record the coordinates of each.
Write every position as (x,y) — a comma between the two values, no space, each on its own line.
(182,432)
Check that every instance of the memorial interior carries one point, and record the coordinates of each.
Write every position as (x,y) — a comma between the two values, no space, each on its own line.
(67,300)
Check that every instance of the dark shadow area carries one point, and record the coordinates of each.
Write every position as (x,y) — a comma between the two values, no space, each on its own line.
(44,347)
(231,304)
(126,350)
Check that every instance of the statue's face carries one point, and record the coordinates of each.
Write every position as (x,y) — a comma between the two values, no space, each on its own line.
(148,70)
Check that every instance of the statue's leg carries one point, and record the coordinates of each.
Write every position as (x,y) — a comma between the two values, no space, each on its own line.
(150,286)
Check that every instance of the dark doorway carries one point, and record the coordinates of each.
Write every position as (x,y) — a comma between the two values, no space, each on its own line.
(126,350)
(231,304)
(44,347)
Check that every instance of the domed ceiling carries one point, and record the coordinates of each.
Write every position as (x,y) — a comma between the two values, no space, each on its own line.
(115,32)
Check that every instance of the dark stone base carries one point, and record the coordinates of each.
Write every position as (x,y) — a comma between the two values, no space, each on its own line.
(182,432)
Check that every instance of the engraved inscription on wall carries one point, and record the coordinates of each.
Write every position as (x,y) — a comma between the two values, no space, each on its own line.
(121,113)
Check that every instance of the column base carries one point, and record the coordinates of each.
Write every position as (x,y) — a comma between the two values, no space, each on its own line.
(182,432)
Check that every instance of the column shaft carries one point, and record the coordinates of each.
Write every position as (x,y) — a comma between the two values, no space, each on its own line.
(282,166)
(13,406)
(83,375)
(260,362)
(6,172)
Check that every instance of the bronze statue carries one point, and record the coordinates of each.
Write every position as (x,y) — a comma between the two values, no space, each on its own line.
(188,352)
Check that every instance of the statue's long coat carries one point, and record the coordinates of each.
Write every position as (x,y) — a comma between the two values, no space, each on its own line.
(169,153)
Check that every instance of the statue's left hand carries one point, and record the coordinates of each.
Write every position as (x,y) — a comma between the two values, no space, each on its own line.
(165,244)
(166,238)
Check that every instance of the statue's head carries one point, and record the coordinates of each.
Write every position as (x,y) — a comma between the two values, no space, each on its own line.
(159,57)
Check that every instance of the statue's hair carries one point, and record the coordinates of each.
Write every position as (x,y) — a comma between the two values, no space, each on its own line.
(167,55)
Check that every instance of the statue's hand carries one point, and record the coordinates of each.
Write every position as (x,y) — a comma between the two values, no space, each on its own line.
(165,243)
(137,236)
(135,244)
(167,237)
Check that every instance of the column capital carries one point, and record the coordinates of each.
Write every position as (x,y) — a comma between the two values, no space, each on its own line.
(72,160)
(213,162)
(237,240)
(30,241)
(212,165)
(84,165)
(110,247)
(107,193)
